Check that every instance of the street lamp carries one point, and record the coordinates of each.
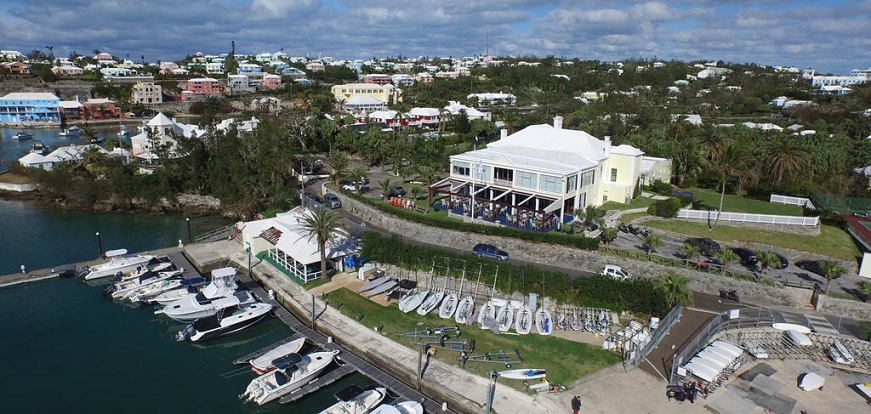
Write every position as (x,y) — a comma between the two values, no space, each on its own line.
(248,250)
(190,239)
(99,246)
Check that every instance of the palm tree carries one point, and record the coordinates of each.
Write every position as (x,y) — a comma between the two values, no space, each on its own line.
(676,289)
(726,256)
(339,162)
(832,270)
(767,259)
(730,161)
(90,133)
(609,234)
(591,215)
(357,174)
(865,289)
(651,242)
(321,224)
(786,159)
(690,252)
(385,185)
(415,192)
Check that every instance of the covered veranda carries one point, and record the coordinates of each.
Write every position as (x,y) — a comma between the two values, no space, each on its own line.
(506,206)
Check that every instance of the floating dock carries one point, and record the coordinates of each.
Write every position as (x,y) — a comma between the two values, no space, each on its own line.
(318,383)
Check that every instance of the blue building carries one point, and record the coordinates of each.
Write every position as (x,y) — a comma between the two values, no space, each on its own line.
(24,108)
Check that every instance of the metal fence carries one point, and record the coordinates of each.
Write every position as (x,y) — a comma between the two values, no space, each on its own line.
(220,233)
(794,201)
(711,215)
(842,205)
(635,356)
(745,318)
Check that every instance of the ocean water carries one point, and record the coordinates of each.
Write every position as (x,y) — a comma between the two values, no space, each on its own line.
(11,150)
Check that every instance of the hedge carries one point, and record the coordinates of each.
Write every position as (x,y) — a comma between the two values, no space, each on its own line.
(553,237)
(638,295)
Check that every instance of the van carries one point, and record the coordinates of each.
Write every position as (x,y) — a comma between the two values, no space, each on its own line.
(615,272)
(332,201)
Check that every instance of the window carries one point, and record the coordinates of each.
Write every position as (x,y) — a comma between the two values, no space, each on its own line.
(604,198)
(481,172)
(571,183)
(526,179)
(549,183)
(588,178)
(503,174)
(613,174)
(461,168)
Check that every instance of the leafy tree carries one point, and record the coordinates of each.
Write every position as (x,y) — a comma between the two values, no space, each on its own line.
(609,234)
(415,192)
(385,185)
(832,270)
(676,289)
(322,225)
(356,174)
(651,242)
(592,215)
(726,256)
(339,163)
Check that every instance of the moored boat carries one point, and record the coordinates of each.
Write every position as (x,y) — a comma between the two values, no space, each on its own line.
(405,407)
(355,400)
(21,136)
(270,360)
(39,147)
(123,289)
(284,380)
(193,307)
(119,262)
(72,131)
(227,321)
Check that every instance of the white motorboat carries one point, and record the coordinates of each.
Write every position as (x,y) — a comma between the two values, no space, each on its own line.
(21,136)
(226,321)
(524,320)
(412,300)
(123,131)
(505,317)
(355,400)
(486,314)
(465,310)
(124,289)
(268,361)
(170,296)
(147,293)
(449,305)
(523,374)
(193,307)
(72,131)
(543,321)
(119,262)
(283,380)
(405,407)
(154,265)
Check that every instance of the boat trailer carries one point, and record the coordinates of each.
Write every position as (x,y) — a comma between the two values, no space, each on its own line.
(500,357)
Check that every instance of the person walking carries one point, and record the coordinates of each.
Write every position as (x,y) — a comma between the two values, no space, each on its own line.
(576,404)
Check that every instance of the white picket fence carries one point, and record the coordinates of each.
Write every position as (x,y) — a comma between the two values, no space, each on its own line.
(749,218)
(795,201)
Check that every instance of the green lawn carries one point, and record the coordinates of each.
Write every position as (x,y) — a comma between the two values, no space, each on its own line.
(831,241)
(638,202)
(632,216)
(739,204)
(564,360)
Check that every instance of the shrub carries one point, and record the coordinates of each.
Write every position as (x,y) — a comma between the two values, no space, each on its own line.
(667,208)
(660,187)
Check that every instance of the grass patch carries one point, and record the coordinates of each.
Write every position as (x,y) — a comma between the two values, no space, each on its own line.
(564,360)
(13,178)
(632,216)
(831,241)
(739,204)
(637,202)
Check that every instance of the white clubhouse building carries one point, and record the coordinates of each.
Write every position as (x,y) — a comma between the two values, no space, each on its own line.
(545,169)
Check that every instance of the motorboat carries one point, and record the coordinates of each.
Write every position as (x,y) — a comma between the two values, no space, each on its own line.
(505,317)
(170,296)
(122,290)
(154,265)
(226,321)
(298,371)
(465,310)
(275,357)
(97,140)
(523,322)
(39,147)
(355,400)
(123,132)
(543,321)
(72,131)
(449,305)
(21,136)
(219,294)
(412,300)
(119,262)
(405,407)
(486,314)
(147,293)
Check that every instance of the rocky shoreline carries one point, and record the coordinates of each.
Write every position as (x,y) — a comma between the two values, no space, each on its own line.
(182,204)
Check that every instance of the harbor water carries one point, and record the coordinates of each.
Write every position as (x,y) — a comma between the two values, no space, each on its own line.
(65,348)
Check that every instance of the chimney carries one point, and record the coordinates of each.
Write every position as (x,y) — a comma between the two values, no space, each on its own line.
(558,122)
(503,133)
(607,145)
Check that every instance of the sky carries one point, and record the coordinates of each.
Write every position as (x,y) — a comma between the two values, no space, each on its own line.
(831,36)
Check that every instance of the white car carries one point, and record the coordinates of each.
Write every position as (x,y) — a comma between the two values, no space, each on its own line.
(615,272)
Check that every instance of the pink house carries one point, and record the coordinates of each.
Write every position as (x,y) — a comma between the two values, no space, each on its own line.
(315,66)
(376,78)
(271,81)
(203,86)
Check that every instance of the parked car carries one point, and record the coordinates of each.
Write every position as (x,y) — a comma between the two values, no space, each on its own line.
(350,186)
(332,201)
(747,256)
(706,246)
(615,272)
(813,266)
(783,261)
(313,201)
(397,191)
(489,251)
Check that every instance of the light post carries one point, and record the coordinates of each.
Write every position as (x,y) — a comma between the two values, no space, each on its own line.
(99,246)
(248,250)
(190,239)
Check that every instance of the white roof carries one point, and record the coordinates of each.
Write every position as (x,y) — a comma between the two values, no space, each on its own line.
(649,162)
(363,100)
(70,104)
(24,96)
(295,241)
(627,150)
(389,114)
(73,152)
(33,158)
(98,101)
(424,112)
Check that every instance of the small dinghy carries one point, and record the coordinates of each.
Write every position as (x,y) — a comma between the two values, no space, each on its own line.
(412,300)
(276,357)
(448,306)
(432,302)
(384,287)
(486,314)
(523,374)
(372,284)
(523,321)
(811,381)
(465,310)
(543,321)
(505,317)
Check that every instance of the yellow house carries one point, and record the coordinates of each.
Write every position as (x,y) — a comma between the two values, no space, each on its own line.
(547,170)
(369,95)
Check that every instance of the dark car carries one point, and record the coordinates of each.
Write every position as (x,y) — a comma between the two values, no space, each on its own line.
(332,201)
(706,246)
(747,256)
(397,191)
(783,261)
(489,251)
(813,266)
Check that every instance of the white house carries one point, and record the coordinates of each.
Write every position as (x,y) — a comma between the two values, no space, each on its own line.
(163,132)
(61,155)
(455,108)
(489,98)
(542,169)
(284,242)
